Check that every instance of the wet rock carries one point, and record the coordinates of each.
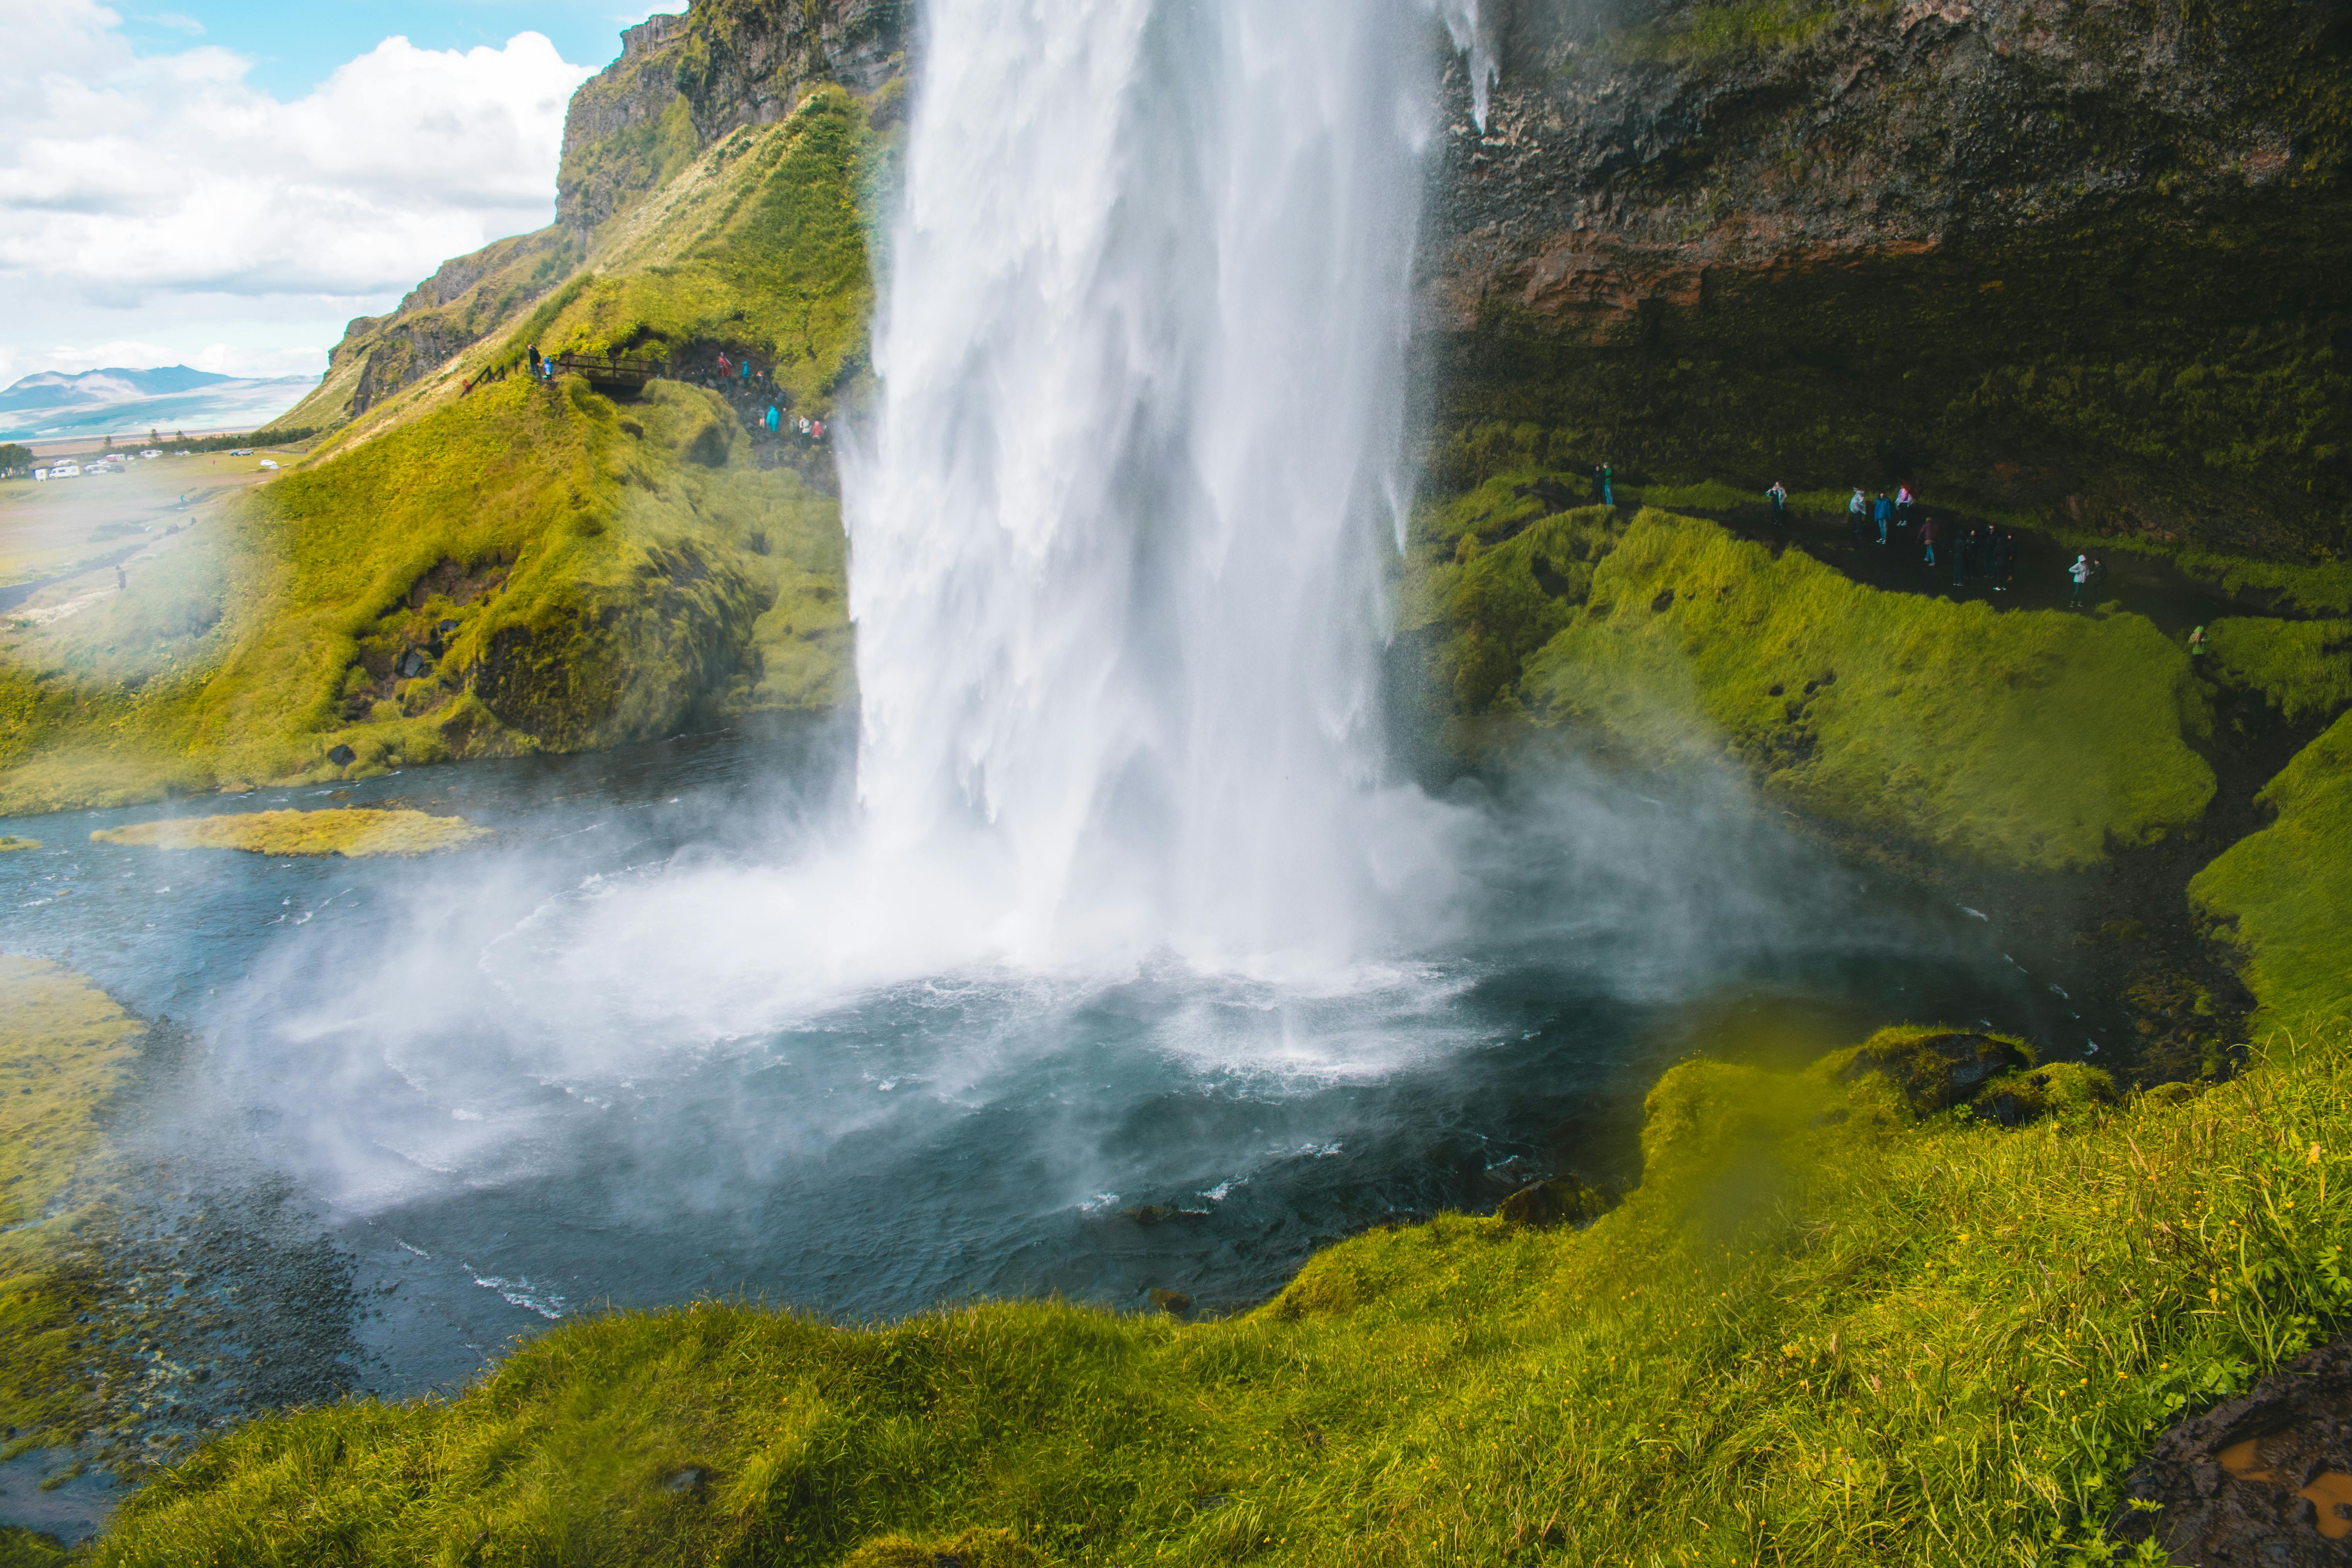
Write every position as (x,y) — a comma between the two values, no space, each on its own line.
(1173,1302)
(690,1481)
(2260,1482)
(1936,1073)
(1149,1214)
(342,756)
(1563,1201)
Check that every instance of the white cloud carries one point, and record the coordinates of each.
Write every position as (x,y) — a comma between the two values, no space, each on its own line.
(145,182)
(176,22)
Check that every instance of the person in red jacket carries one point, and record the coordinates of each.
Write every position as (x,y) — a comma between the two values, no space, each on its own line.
(1928,537)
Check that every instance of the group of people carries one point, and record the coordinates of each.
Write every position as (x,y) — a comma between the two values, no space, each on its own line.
(736,378)
(1977,551)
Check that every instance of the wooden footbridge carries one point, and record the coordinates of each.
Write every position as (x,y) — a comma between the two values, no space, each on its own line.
(609,372)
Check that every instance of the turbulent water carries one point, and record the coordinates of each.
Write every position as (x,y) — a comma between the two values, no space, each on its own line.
(1118,537)
(1113,905)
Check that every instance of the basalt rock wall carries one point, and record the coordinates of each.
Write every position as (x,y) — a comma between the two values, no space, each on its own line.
(2086,262)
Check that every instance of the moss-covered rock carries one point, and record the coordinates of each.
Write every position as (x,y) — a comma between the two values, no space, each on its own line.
(1563,1200)
(65,1049)
(2301,668)
(2281,895)
(1934,1070)
(2031,740)
(351,831)
(2067,1091)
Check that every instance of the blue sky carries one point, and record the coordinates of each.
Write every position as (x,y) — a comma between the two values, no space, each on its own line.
(295,44)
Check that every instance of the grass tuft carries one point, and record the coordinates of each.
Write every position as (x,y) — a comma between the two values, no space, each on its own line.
(350,831)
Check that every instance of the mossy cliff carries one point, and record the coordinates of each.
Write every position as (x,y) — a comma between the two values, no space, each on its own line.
(1848,1315)
(2087,264)
(486,563)
(682,84)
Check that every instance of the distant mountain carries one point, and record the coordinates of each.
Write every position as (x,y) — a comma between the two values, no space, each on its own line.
(52,390)
(213,402)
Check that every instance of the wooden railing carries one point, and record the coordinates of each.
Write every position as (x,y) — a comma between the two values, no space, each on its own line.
(609,370)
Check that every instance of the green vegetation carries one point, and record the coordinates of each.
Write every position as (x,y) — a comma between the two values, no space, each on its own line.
(777,267)
(1827,1328)
(570,575)
(2288,886)
(2302,668)
(10,841)
(1723,35)
(64,1048)
(2032,740)
(351,831)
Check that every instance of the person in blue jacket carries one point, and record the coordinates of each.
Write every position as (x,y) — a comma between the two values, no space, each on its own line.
(1882,514)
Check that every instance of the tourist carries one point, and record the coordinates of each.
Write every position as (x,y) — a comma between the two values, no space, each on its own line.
(2081,573)
(2008,561)
(1779,496)
(1964,550)
(121,581)
(1597,490)
(1608,486)
(1857,512)
(1928,539)
(1882,514)
(1903,506)
(2196,645)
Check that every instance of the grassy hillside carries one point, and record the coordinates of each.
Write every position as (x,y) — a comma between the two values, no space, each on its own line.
(487,565)
(2286,890)
(2029,740)
(1832,1325)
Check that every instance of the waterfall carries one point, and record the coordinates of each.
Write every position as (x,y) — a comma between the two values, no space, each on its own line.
(1119,525)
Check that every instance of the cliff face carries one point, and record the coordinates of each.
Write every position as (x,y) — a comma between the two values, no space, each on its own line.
(684,82)
(2086,260)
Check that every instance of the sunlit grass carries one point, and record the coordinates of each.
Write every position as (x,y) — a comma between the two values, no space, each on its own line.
(351,831)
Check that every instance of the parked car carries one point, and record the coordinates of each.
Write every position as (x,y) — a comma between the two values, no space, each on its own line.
(268,464)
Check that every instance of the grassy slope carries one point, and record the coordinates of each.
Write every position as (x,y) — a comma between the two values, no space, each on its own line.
(2033,740)
(2288,888)
(1799,1341)
(612,566)
(777,270)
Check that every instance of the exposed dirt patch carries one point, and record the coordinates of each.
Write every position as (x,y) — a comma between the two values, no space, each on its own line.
(2263,1481)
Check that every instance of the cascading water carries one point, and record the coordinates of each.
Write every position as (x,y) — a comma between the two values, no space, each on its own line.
(1117,535)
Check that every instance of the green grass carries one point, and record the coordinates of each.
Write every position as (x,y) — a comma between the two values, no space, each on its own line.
(348,831)
(1804,1339)
(2303,668)
(2035,739)
(65,1048)
(760,249)
(608,569)
(2287,888)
